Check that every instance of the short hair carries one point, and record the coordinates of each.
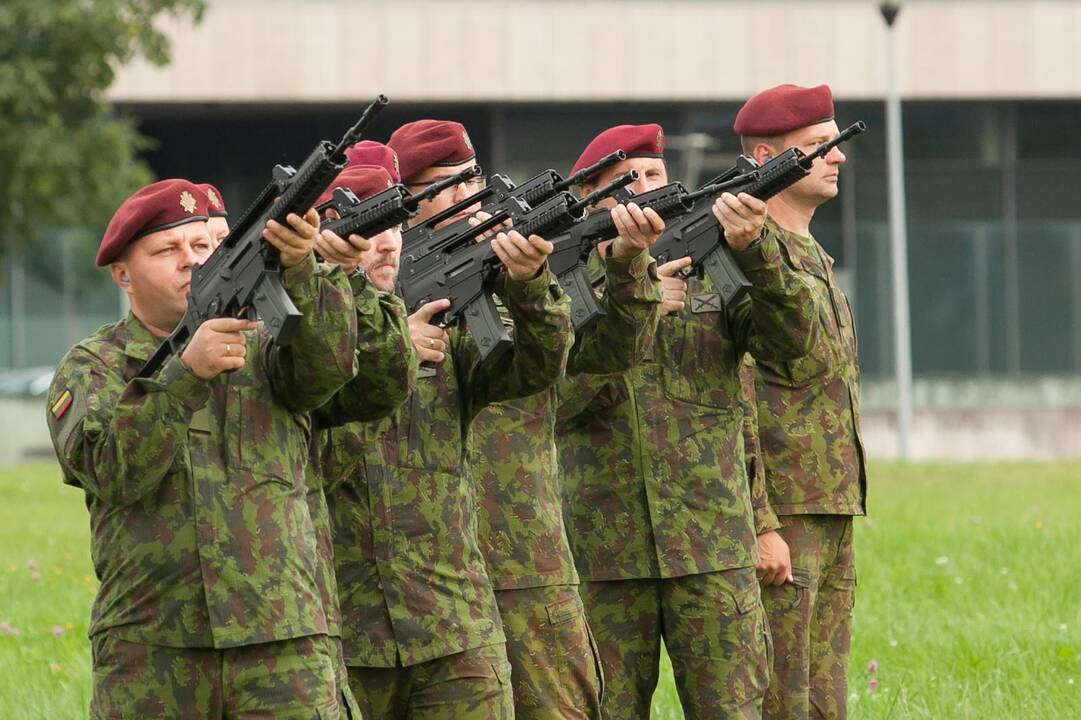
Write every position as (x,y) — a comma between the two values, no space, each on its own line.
(748,142)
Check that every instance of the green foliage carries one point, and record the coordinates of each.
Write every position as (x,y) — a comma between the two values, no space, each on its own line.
(65,159)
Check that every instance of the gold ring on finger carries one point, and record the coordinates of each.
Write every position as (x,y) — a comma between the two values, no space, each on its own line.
(227,346)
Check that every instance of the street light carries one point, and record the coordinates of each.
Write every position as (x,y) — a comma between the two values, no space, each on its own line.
(902,335)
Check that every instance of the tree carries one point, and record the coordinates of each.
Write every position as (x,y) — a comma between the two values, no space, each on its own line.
(66,160)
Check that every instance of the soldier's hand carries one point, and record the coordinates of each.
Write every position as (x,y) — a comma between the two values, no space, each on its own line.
(429,340)
(638,230)
(742,218)
(344,253)
(774,561)
(673,286)
(216,347)
(522,257)
(296,240)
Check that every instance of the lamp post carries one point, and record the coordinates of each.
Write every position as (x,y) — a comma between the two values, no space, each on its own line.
(902,335)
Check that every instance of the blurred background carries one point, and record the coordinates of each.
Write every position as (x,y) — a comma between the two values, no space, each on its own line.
(221,91)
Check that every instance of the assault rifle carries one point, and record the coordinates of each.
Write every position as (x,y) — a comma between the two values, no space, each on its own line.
(385,209)
(573,248)
(243,274)
(699,236)
(464,271)
(499,194)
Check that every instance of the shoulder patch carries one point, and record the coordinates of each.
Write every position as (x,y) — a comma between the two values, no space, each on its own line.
(67,413)
(62,404)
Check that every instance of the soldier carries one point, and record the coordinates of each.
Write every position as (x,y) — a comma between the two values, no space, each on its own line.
(217,216)
(814,471)
(656,496)
(555,670)
(421,629)
(429,151)
(201,537)
(388,362)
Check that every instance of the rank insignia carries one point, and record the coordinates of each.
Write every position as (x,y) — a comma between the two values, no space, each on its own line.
(187,201)
(710,302)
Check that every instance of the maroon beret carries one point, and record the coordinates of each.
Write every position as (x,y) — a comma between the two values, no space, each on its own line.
(215,202)
(370,152)
(158,206)
(363,180)
(782,109)
(430,143)
(635,140)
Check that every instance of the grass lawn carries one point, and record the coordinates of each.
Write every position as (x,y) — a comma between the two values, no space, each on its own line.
(969,596)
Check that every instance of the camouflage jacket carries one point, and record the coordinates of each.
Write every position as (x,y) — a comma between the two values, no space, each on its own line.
(387,373)
(764,517)
(411,578)
(654,476)
(808,408)
(200,532)
(512,443)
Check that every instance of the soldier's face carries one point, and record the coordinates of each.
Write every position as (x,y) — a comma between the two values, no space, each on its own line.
(448,197)
(380,262)
(652,174)
(218,228)
(155,272)
(821,184)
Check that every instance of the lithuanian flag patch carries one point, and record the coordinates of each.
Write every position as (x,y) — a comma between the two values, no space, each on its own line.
(61,405)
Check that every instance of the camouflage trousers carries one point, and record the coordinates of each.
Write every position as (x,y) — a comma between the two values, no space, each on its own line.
(811,620)
(714,629)
(555,669)
(470,685)
(288,679)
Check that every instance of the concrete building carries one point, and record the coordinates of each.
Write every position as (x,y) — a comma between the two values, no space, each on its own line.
(992,103)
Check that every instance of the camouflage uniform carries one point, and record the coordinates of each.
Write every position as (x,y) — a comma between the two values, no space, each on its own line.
(417,606)
(201,536)
(657,501)
(554,668)
(816,479)
(388,372)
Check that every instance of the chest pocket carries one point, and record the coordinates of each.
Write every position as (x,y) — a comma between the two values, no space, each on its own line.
(696,349)
(270,440)
(429,434)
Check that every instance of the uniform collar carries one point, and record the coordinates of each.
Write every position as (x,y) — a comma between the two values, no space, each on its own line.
(140,343)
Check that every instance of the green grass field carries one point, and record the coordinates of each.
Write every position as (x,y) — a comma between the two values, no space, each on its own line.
(969,596)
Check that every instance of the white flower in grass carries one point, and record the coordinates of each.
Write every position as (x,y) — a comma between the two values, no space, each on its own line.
(942,560)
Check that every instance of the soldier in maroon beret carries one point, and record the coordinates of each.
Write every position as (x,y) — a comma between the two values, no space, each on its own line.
(644,146)
(355,251)
(448,654)
(429,151)
(815,481)
(194,477)
(661,512)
